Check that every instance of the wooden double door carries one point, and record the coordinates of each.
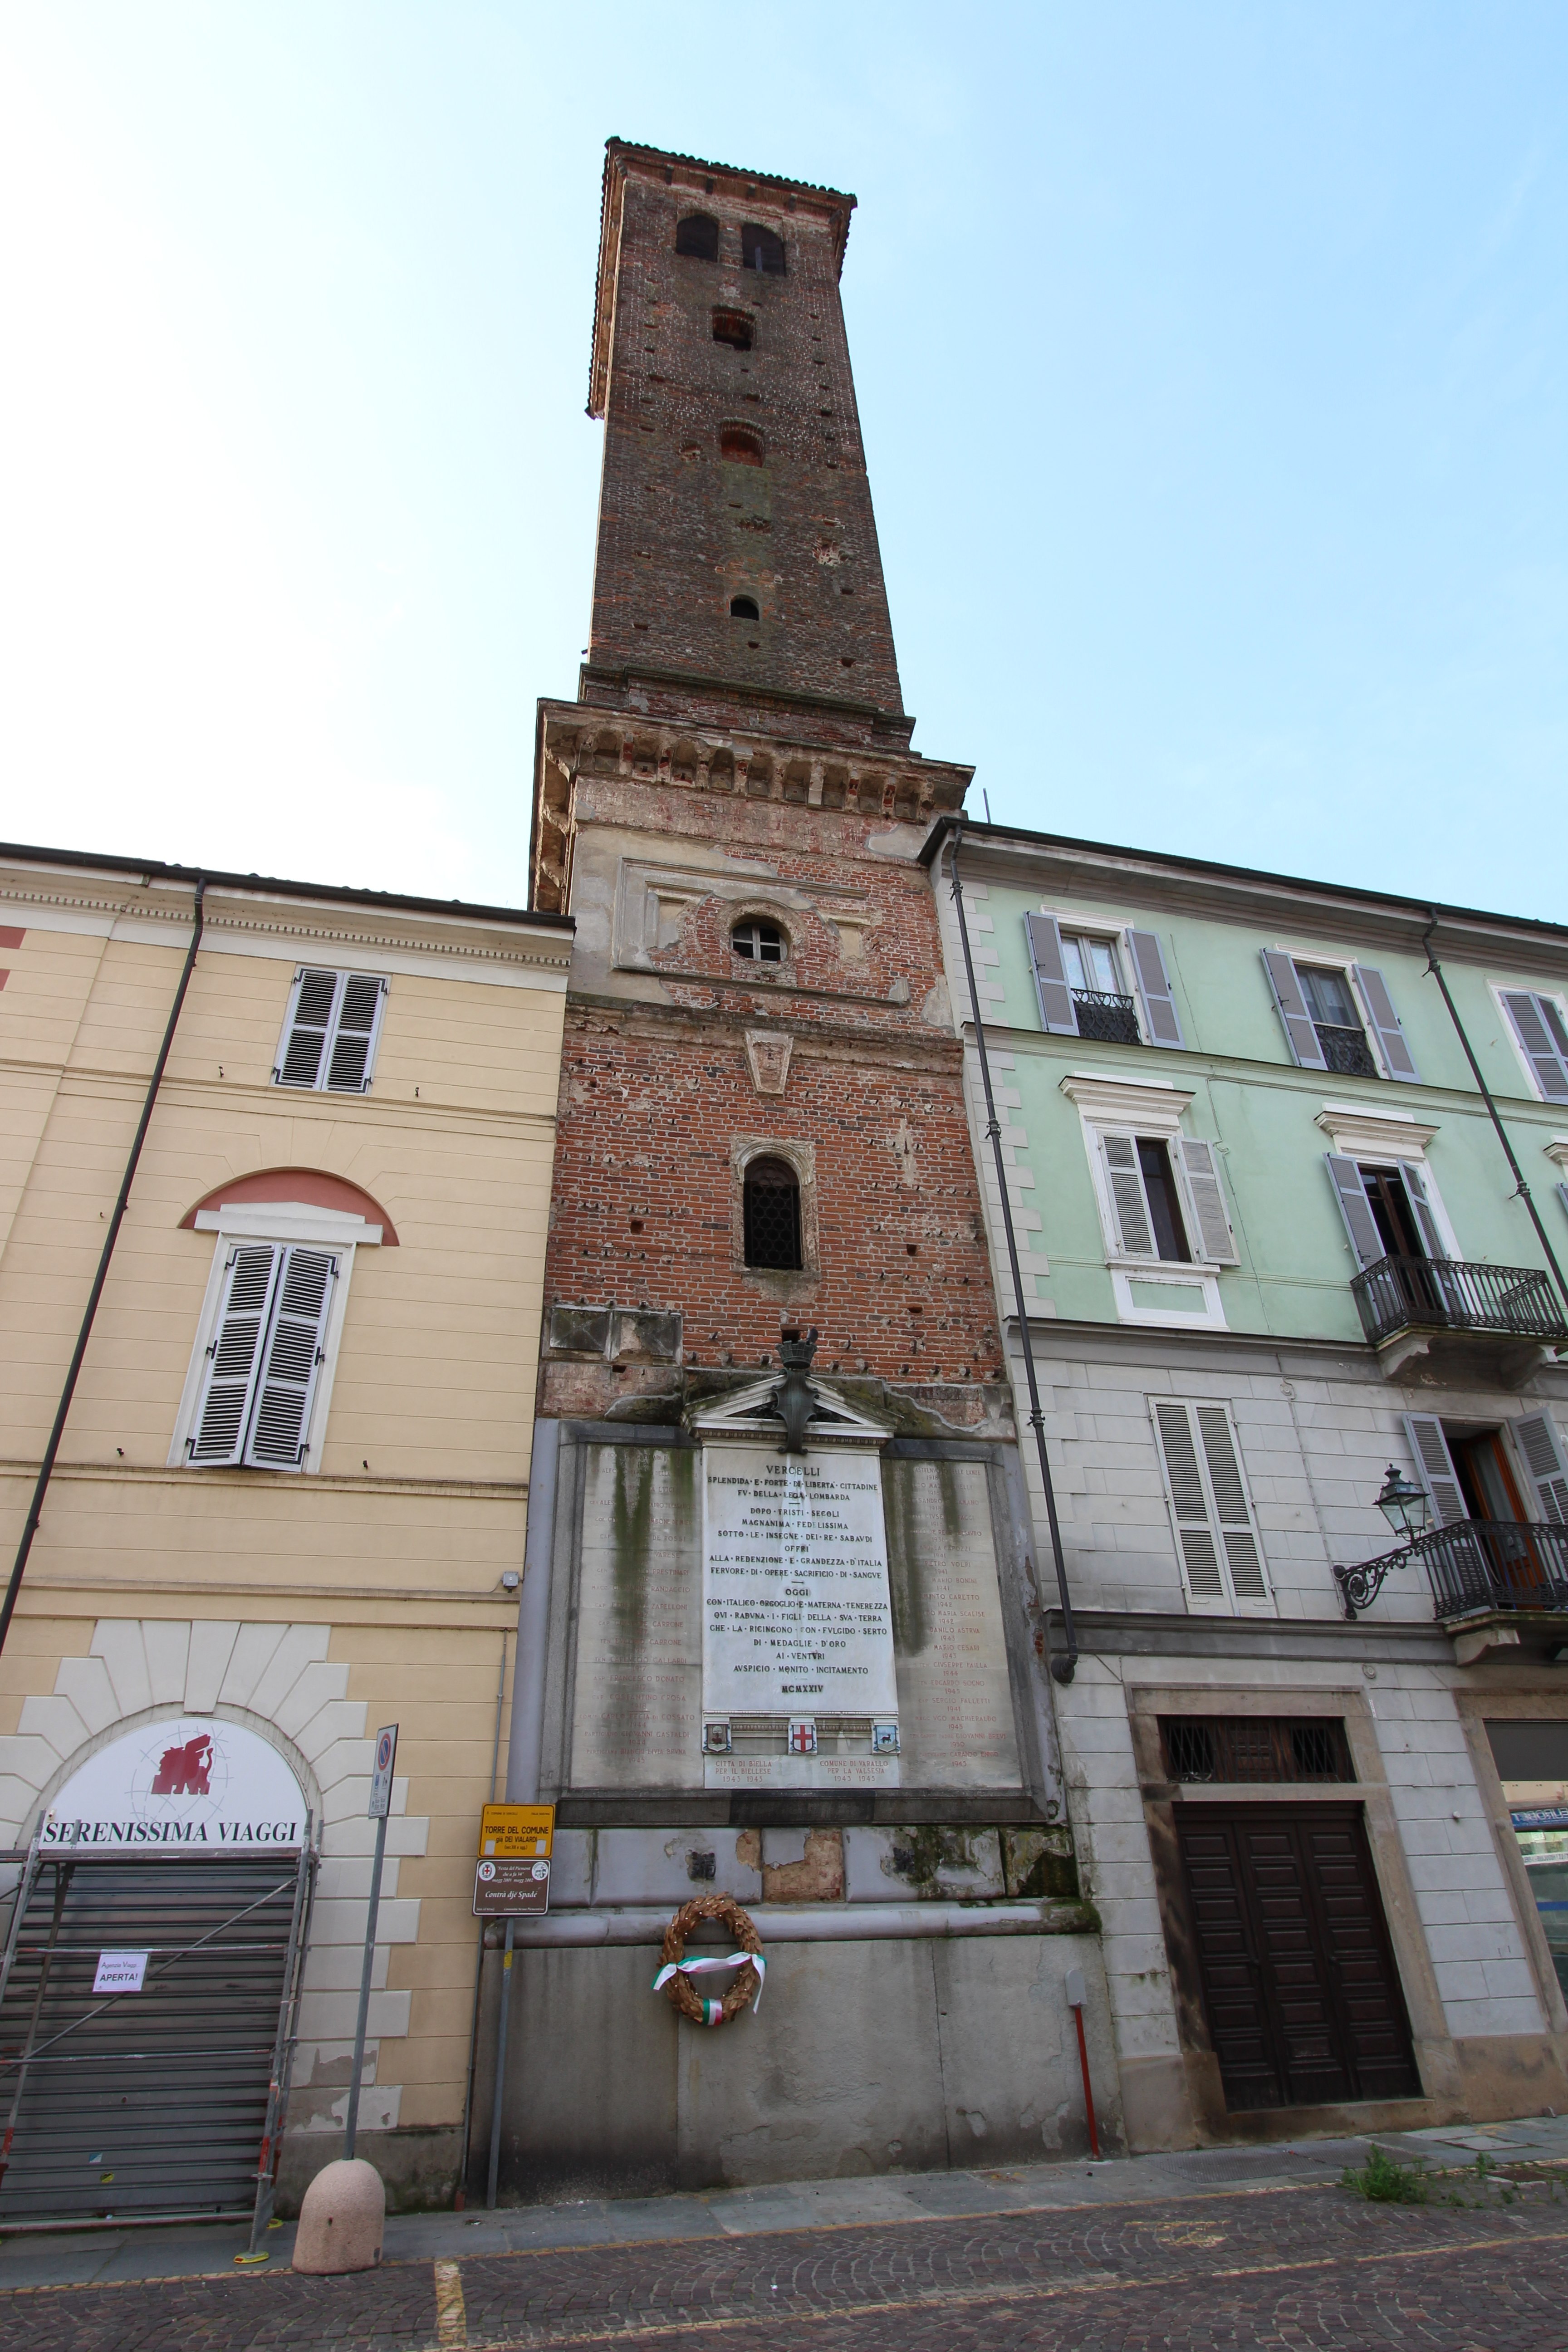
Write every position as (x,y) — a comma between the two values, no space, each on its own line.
(1299,1983)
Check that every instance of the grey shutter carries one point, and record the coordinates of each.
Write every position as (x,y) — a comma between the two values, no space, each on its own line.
(1216,1241)
(235,1354)
(1126,1196)
(1538,1442)
(359,1016)
(307,1029)
(1539,1027)
(1355,1209)
(1397,1058)
(1230,1504)
(1189,1503)
(1045,940)
(1435,1466)
(1154,989)
(293,1358)
(1563,1196)
(1414,1183)
(1299,1033)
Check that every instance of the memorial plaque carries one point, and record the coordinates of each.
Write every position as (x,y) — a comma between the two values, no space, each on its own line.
(512,1888)
(796,1618)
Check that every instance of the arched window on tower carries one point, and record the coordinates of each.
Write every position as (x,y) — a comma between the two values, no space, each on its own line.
(738,446)
(698,237)
(743,608)
(760,249)
(772,1216)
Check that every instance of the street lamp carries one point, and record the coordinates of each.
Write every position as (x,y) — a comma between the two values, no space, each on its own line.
(1407,1508)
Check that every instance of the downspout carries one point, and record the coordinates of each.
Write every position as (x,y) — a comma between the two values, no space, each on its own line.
(1523,1193)
(1062,1668)
(8,1609)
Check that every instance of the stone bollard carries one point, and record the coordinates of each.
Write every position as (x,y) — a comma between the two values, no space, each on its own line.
(341,2219)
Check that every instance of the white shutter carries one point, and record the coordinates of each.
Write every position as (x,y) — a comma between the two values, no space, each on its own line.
(1538,1025)
(1160,1020)
(1356,1209)
(1207,1197)
(1541,1449)
(329,1035)
(1435,1466)
(1215,1532)
(354,1033)
(1415,1180)
(303,1047)
(1301,1034)
(1129,1204)
(224,1411)
(1044,938)
(1397,1058)
(302,1298)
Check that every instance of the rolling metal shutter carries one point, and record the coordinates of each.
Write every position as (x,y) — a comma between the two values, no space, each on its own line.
(167,2101)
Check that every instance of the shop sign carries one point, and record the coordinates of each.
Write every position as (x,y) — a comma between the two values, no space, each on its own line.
(191,1783)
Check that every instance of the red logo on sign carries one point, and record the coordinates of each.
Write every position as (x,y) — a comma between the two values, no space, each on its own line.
(803,1739)
(184,1772)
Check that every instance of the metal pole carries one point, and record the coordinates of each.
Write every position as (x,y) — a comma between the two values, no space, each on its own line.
(351,2121)
(1088,2087)
(1062,1668)
(461,2197)
(500,2066)
(30,1527)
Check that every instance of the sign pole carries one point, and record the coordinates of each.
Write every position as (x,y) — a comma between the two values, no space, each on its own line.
(376,1811)
(1074,1993)
(511,1881)
(500,2066)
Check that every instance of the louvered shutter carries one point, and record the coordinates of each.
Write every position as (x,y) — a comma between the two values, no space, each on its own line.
(1397,1058)
(235,1354)
(1134,1230)
(1189,1504)
(1215,1526)
(1160,1018)
(1235,1519)
(305,1032)
(1201,1168)
(1563,1196)
(1538,1442)
(1416,1181)
(1356,1209)
(1051,975)
(1299,1033)
(292,1359)
(1538,1025)
(353,1034)
(1435,1466)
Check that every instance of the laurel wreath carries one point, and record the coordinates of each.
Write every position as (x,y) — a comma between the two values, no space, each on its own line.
(675,1973)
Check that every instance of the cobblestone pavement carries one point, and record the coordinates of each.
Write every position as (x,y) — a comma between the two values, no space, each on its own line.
(1301,2269)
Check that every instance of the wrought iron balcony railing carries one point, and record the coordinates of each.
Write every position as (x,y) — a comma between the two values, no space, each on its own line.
(1473,1564)
(1346,1050)
(1457,1296)
(1108,1020)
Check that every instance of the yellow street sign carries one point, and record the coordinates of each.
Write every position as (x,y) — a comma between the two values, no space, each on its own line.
(507,1831)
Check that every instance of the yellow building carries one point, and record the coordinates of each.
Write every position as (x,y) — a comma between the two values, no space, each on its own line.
(289,1506)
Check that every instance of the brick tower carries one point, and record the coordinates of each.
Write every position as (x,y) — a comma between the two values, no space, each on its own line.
(762,1140)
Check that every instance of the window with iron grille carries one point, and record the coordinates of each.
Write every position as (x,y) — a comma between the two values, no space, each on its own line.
(772,1201)
(1255,1748)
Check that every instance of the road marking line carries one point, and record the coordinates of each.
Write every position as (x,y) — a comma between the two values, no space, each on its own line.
(451,2312)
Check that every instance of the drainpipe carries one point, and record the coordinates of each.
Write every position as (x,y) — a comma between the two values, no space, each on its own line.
(1522,1188)
(1062,1668)
(8,1609)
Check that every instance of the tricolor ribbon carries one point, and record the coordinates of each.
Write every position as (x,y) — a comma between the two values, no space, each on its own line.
(714,2010)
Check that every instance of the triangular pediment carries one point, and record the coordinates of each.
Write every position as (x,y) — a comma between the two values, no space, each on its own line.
(753,1412)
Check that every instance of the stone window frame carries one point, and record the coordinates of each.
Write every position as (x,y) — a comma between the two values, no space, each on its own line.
(801,1158)
(759,911)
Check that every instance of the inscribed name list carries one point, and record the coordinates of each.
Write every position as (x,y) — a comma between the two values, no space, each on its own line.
(796,1618)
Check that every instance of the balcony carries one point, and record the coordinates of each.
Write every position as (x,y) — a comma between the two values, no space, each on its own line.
(1492,1579)
(1108,1020)
(1346,1050)
(1509,1312)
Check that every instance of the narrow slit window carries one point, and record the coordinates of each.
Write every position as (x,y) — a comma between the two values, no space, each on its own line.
(771,1206)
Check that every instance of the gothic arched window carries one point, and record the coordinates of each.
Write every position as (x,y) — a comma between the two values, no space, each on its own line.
(772,1216)
(698,235)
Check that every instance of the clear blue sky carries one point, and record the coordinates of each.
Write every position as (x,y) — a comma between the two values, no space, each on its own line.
(1211,358)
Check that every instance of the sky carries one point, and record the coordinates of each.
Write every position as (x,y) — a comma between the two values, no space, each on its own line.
(1211,361)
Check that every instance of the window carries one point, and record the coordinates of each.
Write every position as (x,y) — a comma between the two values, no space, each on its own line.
(760,249)
(771,1210)
(1080,979)
(1326,1019)
(1216,1535)
(329,1035)
(1470,1474)
(743,608)
(264,1357)
(1389,1211)
(733,327)
(1254,1747)
(697,237)
(759,941)
(1163,1192)
(1542,1035)
(738,446)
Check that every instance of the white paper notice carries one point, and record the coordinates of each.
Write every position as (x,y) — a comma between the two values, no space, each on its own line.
(120,1972)
(796,1618)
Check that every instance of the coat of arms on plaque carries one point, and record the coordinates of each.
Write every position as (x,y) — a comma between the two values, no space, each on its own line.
(768,1052)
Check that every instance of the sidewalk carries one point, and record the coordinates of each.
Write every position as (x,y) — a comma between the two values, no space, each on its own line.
(188,2251)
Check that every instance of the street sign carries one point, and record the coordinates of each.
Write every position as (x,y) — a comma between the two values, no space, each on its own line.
(512,1831)
(510,1888)
(381,1779)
